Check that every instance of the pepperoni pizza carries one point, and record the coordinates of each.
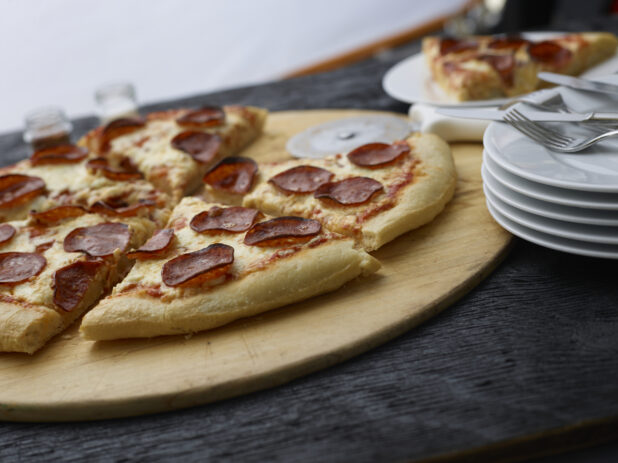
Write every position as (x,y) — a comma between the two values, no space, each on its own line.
(372,194)
(482,67)
(215,263)
(108,214)
(54,265)
(173,149)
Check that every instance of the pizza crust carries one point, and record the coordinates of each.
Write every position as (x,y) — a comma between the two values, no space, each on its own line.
(308,273)
(433,188)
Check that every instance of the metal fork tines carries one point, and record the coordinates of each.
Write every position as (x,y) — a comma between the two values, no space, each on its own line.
(551,138)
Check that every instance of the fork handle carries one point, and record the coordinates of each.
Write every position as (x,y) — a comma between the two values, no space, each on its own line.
(604,117)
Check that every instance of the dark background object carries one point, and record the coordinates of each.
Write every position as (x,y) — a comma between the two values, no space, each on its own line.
(522,15)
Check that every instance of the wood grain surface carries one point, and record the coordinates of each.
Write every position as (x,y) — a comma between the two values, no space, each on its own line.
(423,272)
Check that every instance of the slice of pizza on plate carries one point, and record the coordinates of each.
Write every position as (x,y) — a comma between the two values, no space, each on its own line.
(214,264)
(55,265)
(173,149)
(484,67)
(373,194)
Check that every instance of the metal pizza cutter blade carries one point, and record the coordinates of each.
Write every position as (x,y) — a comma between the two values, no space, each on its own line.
(343,135)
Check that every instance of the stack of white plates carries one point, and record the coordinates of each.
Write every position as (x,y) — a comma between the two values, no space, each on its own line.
(567,202)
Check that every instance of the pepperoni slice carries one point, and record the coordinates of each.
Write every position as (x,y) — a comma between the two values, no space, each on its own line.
(72,282)
(229,219)
(449,45)
(156,246)
(201,146)
(41,248)
(301,179)
(232,175)
(507,43)
(374,155)
(16,189)
(56,214)
(61,154)
(503,64)
(127,172)
(195,268)
(17,267)
(98,240)
(351,191)
(210,116)
(121,209)
(282,231)
(118,128)
(7,231)
(549,52)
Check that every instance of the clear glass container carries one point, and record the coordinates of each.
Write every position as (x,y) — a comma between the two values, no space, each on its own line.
(115,101)
(47,127)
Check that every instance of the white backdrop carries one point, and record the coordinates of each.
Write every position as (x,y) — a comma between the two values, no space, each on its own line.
(56,52)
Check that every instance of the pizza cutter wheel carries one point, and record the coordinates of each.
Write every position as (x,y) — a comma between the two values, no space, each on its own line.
(343,135)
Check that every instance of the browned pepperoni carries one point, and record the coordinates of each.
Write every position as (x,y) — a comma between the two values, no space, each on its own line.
(156,246)
(98,240)
(549,52)
(56,214)
(72,282)
(17,267)
(503,64)
(7,231)
(202,118)
(282,231)
(301,179)
(118,128)
(507,43)
(195,268)
(121,209)
(230,219)
(374,155)
(351,191)
(61,154)
(201,146)
(449,45)
(127,171)
(41,248)
(233,174)
(16,189)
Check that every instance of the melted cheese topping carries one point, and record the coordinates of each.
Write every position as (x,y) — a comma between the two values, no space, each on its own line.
(267,197)
(147,273)
(151,150)
(39,289)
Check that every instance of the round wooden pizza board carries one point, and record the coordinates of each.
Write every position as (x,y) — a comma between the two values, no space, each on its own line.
(423,272)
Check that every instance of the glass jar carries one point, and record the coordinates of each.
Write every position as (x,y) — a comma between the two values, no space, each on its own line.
(47,127)
(115,101)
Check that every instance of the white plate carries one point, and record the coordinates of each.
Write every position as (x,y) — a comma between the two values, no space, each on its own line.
(590,200)
(606,251)
(545,209)
(595,169)
(410,80)
(573,231)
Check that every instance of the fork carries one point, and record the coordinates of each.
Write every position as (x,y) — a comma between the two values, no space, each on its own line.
(551,138)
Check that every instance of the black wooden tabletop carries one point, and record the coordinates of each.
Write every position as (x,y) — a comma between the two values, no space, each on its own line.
(525,364)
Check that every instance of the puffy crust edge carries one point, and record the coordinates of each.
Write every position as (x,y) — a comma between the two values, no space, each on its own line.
(306,274)
(420,202)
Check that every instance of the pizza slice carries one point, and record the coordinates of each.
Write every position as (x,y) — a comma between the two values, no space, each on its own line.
(214,264)
(173,149)
(372,194)
(483,67)
(66,175)
(54,266)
